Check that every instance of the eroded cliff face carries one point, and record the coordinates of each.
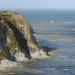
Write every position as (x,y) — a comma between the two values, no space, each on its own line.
(16,35)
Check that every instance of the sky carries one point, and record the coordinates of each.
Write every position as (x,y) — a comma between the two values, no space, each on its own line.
(37,4)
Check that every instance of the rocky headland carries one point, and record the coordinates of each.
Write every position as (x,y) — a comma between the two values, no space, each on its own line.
(17,42)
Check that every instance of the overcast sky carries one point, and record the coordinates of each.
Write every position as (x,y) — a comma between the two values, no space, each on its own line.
(37,4)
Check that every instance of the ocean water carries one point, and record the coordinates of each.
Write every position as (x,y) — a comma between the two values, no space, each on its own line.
(55,29)
(47,15)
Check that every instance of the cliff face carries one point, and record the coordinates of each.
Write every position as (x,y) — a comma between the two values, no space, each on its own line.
(16,35)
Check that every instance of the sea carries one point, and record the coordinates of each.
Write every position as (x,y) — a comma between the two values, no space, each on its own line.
(55,29)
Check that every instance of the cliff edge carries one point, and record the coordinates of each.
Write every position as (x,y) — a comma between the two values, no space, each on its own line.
(16,37)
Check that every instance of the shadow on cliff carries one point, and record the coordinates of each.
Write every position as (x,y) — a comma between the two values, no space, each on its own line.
(3,43)
(22,42)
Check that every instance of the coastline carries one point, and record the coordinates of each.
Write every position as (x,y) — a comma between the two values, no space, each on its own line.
(9,64)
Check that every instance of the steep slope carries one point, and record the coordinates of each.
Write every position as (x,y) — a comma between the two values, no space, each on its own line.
(16,35)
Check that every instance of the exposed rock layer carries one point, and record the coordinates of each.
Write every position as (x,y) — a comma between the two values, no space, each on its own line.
(16,35)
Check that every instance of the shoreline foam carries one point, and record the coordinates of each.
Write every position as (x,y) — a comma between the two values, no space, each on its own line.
(9,64)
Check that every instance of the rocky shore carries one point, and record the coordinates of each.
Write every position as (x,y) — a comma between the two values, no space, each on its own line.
(17,42)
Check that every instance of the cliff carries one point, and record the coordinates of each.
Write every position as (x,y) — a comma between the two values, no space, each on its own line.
(16,37)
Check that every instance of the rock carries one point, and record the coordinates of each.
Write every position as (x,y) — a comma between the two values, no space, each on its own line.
(6,63)
(16,37)
(20,57)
